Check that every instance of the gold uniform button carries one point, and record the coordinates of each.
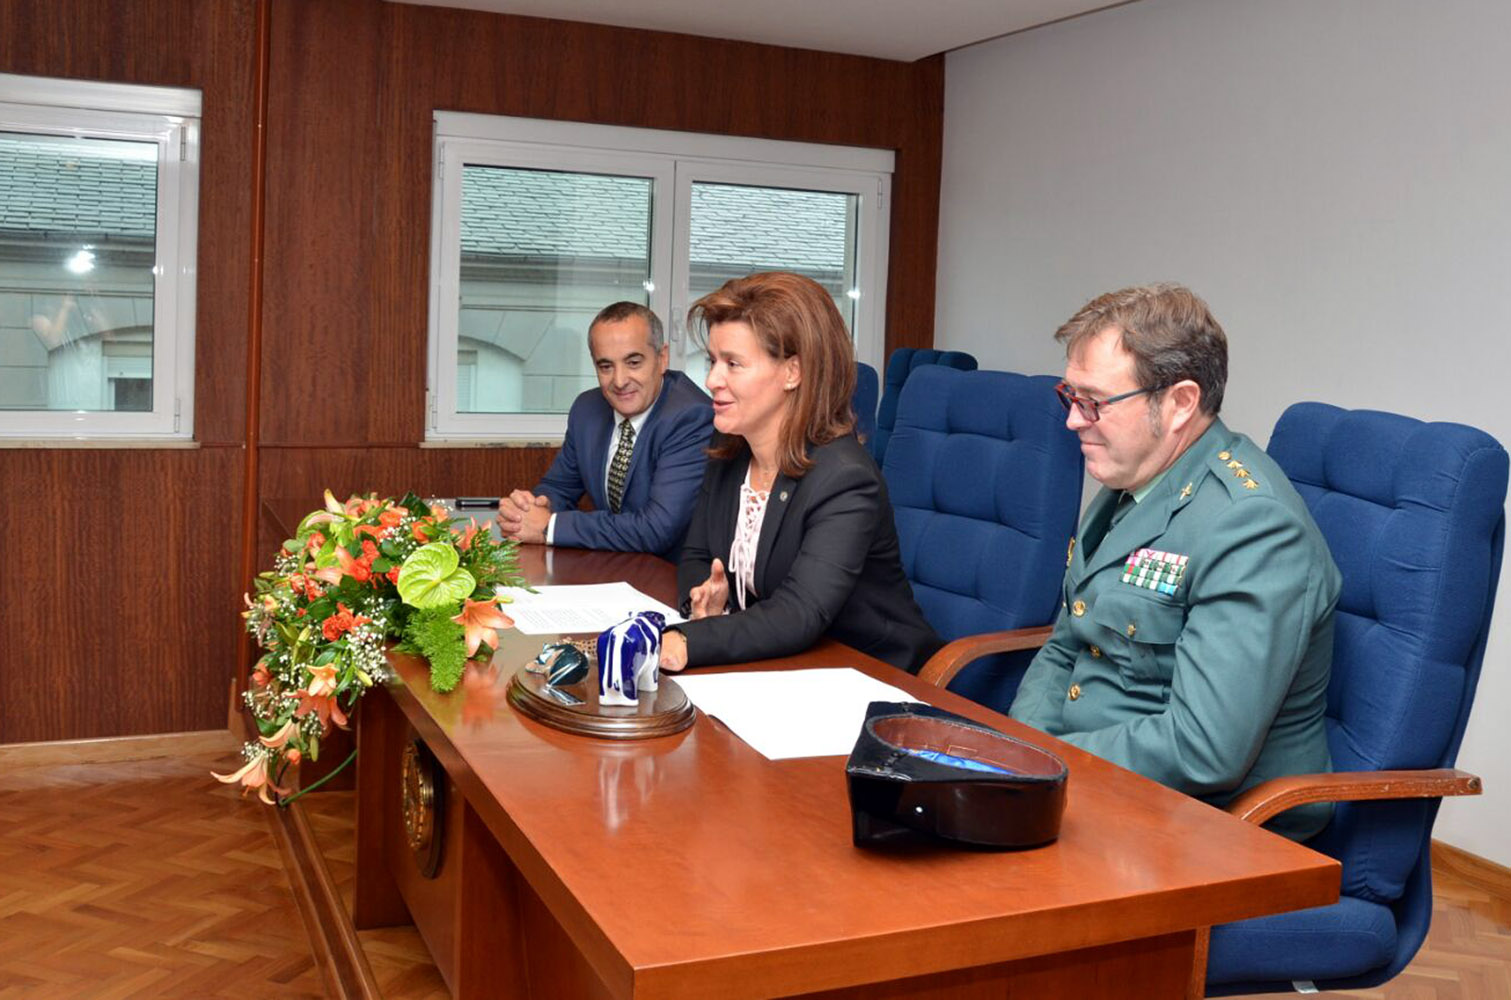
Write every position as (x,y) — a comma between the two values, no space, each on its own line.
(1132,628)
(1096,652)
(1078,608)
(1075,692)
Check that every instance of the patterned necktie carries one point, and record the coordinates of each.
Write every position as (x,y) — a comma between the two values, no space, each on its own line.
(619,468)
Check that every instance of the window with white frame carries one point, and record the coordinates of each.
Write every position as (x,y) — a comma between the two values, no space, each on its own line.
(537,225)
(99,199)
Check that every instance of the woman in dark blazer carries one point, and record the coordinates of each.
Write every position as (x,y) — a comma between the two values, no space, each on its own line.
(792,537)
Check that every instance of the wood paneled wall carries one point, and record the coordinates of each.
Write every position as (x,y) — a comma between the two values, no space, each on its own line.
(118,589)
(147,541)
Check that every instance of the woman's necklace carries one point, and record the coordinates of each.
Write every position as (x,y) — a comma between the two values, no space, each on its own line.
(760,480)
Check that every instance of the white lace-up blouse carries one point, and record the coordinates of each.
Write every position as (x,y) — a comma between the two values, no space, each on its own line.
(742,551)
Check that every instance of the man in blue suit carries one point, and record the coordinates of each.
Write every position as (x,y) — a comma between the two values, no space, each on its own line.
(636,445)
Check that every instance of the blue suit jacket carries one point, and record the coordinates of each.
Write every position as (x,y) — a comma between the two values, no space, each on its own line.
(665,471)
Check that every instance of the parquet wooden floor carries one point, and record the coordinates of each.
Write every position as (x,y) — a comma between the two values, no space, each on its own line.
(400,962)
(145,879)
(137,879)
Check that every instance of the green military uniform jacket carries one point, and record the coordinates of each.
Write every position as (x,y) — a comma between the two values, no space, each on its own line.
(1196,637)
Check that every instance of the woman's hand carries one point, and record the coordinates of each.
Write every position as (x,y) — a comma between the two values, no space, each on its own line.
(710,597)
(673,651)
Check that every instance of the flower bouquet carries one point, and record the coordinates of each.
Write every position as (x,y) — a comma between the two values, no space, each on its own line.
(358,575)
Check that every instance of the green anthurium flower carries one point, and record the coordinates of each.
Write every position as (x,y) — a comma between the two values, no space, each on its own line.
(433,576)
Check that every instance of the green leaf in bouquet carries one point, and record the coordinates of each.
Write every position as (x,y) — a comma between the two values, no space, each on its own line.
(267,727)
(326,557)
(432,576)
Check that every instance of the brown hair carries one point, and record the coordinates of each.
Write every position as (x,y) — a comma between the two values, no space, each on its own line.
(1168,329)
(791,315)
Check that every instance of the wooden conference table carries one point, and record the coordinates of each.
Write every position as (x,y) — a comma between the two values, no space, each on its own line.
(691,867)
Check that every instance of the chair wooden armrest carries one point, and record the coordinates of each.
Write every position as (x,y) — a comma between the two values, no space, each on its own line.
(1270,798)
(953,656)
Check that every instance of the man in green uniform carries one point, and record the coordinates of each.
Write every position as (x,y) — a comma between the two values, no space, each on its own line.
(1197,630)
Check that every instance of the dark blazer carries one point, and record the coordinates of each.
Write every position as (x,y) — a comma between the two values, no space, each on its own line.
(665,470)
(827,563)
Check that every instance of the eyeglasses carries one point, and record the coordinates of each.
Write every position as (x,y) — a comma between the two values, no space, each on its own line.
(1091,408)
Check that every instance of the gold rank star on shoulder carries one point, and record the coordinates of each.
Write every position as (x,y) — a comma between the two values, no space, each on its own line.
(1249,483)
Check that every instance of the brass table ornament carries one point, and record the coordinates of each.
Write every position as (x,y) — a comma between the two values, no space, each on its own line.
(574,708)
(563,663)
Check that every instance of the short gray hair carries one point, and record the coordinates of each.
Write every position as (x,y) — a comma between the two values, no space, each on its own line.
(620,311)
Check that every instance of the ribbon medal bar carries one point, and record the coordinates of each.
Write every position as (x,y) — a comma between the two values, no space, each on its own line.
(1155,570)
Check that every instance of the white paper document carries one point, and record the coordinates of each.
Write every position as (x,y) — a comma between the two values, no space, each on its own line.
(584,608)
(791,713)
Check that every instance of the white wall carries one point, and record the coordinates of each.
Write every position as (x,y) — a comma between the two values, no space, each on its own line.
(1333,176)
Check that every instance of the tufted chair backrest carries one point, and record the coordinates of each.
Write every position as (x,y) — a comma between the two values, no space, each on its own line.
(1414,515)
(905,361)
(867,386)
(985,481)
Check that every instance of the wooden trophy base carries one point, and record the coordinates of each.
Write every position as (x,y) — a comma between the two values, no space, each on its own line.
(574,708)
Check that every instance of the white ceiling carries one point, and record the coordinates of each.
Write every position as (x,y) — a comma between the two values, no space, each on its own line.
(888,29)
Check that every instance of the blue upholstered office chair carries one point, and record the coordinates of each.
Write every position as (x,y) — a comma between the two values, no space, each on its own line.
(904,362)
(1414,514)
(864,401)
(985,482)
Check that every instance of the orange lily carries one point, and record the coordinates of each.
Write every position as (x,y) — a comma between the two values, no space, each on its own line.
(330,574)
(253,774)
(358,569)
(326,516)
(322,680)
(480,619)
(319,697)
(281,738)
(466,542)
(325,708)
